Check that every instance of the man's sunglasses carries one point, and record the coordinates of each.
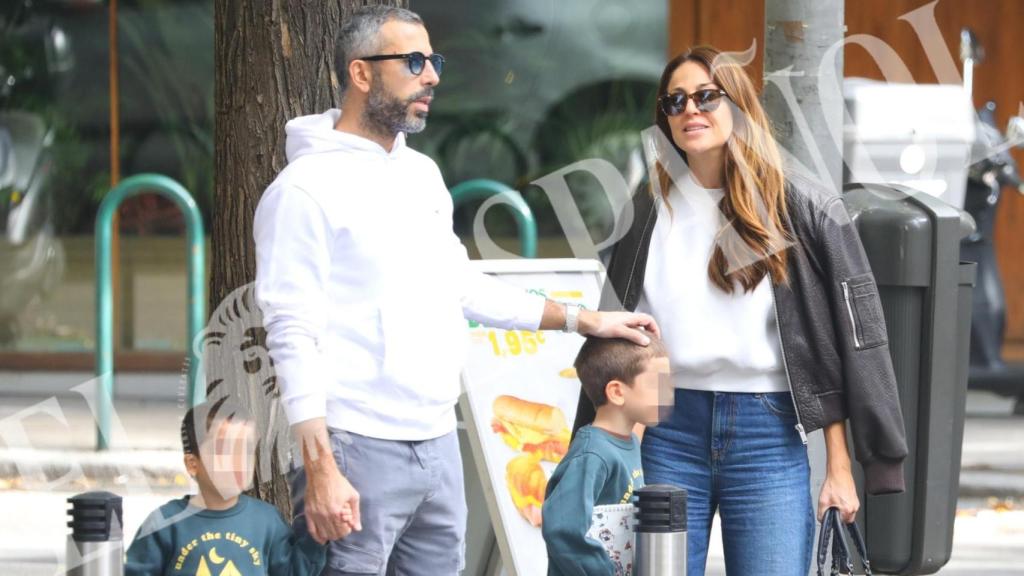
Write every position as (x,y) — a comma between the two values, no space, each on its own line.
(706,100)
(416,61)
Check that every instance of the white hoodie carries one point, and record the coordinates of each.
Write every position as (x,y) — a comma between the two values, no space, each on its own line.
(365,288)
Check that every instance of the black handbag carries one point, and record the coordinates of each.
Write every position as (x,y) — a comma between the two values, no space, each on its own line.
(831,536)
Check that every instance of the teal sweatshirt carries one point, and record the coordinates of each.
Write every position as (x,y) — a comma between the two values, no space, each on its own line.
(599,469)
(250,538)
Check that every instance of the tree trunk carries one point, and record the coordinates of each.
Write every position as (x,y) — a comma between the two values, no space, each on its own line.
(805,102)
(274,61)
(805,106)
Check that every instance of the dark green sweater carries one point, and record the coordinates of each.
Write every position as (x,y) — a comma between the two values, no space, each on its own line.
(599,469)
(250,538)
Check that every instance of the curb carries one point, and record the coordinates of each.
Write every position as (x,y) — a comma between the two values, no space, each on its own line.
(992,483)
(33,469)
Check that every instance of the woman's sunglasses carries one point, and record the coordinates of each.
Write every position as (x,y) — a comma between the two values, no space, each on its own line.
(415,60)
(706,100)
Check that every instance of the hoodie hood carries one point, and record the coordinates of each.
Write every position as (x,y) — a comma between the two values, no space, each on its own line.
(315,134)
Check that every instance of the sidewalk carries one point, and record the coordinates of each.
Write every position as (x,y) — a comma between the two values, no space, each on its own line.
(48,435)
(47,441)
(992,464)
(58,436)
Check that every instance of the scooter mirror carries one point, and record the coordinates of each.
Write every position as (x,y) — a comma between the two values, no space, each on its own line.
(1015,131)
(59,56)
(970,47)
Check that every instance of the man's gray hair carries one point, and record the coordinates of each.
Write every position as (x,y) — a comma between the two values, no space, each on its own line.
(360,36)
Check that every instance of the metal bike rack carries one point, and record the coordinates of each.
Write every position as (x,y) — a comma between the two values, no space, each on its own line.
(170,189)
(483,188)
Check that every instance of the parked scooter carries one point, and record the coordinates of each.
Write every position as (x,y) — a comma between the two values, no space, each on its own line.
(993,169)
(31,256)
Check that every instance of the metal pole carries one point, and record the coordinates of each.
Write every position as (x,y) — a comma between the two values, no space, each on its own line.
(196,306)
(96,545)
(660,547)
(809,124)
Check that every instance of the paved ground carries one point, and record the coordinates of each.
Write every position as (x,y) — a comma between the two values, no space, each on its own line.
(45,456)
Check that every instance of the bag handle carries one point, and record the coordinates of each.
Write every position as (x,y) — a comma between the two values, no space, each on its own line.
(825,535)
(831,536)
(858,542)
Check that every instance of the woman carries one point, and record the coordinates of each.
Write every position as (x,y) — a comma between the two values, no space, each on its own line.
(765,299)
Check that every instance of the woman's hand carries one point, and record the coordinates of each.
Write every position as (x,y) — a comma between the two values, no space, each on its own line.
(839,489)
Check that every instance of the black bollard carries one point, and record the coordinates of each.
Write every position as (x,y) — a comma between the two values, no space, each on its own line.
(95,546)
(660,531)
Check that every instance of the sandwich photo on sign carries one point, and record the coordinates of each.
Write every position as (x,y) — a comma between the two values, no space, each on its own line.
(531,427)
(527,483)
(537,432)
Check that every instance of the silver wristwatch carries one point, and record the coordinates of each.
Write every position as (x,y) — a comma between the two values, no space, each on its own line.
(572,318)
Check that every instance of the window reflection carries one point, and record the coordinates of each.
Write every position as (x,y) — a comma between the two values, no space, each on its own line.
(533,86)
(55,164)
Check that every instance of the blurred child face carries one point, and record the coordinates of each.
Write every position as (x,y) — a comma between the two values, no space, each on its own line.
(649,400)
(226,461)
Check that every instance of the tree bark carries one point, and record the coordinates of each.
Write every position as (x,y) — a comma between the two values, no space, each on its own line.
(803,93)
(273,62)
(805,106)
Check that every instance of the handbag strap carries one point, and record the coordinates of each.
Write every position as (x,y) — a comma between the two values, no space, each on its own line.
(831,536)
(824,539)
(858,542)
(841,562)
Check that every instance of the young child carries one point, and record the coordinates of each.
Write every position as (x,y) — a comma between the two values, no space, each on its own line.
(628,384)
(220,531)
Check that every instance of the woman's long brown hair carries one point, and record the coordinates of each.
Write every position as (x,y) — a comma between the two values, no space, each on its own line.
(753,242)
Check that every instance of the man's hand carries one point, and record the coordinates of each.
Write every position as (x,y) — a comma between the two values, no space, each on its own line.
(331,502)
(332,505)
(628,325)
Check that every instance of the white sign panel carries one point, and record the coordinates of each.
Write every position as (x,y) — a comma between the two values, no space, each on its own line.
(520,401)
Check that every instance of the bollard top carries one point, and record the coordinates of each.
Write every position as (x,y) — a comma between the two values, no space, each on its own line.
(660,508)
(95,517)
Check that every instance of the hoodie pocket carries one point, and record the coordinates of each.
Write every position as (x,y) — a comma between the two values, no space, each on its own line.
(864,309)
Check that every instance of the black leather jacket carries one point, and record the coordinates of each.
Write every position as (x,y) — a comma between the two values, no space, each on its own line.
(834,343)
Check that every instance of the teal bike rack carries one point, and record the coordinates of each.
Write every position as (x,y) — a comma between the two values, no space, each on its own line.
(134,186)
(483,188)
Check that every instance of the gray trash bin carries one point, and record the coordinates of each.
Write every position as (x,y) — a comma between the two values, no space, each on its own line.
(912,240)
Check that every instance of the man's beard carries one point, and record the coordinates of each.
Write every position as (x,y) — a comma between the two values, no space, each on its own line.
(388,115)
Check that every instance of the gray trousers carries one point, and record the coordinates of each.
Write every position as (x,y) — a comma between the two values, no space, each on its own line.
(412,506)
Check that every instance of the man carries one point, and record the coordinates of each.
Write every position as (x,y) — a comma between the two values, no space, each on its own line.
(365,290)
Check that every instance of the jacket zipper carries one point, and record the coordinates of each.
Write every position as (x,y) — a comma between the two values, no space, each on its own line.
(785,364)
(849,310)
(636,257)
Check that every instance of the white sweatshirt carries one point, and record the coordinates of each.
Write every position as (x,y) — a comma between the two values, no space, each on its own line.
(717,341)
(365,288)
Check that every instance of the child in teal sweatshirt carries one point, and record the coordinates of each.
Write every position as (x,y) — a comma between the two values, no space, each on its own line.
(628,384)
(219,531)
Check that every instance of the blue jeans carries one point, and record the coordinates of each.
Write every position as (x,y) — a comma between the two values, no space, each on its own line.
(739,454)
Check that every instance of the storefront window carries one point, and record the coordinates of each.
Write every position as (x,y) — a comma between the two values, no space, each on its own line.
(531,86)
(55,164)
